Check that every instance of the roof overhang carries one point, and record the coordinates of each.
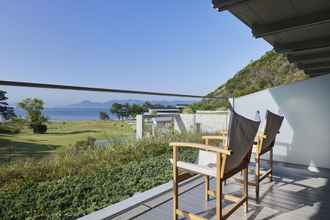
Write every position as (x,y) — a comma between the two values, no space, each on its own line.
(298,28)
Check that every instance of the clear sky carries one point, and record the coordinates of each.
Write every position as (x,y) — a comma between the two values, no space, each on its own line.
(168,46)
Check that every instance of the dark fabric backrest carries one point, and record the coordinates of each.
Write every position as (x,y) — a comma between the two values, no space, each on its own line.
(241,134)
(273,125)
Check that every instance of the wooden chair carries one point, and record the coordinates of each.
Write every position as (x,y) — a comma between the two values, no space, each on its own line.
(220,163)
(265,143)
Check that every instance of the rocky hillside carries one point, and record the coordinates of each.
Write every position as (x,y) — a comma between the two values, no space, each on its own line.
(272,69)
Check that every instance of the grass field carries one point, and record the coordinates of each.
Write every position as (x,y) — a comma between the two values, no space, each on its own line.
(59,135)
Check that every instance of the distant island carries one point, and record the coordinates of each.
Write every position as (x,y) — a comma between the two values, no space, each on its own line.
(108,104)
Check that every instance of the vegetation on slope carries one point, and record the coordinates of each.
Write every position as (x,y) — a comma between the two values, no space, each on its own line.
(272,69)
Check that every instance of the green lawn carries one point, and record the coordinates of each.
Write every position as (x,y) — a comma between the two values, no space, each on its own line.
(59,134)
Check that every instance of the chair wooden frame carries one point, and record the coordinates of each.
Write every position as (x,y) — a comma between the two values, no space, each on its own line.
(258,146)
(206,140)
(221,156)
(269,173)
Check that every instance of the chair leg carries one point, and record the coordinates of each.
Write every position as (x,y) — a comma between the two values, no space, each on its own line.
(207,188)
(246,193)
(242,179)
(218,199)
(175,184)
(218,190)
(175,200)
(271,165)
(257,177)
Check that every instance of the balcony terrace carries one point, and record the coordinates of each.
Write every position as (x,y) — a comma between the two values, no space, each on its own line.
(301,177)
(295,193)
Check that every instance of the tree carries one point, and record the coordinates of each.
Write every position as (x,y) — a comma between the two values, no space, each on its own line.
(128,110)
(6,111)
(116,108)
(135,109)
(104,116)
(123,112)
(34,108)
(147,105)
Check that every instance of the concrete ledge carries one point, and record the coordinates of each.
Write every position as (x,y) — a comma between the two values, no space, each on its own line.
(132,202)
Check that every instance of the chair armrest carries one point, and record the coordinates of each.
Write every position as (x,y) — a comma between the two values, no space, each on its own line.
(214,137)
(261,136)
(224,132)
(258,142)
(202,147)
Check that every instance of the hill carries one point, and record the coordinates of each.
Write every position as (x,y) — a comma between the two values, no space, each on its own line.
(272,69)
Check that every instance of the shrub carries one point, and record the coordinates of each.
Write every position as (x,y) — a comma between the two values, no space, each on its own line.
(74,196)
(84,178)
(34,108)
(39,128)
(9,129)
(104,116)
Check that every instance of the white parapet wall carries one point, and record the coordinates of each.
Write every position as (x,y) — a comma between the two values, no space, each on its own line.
(305,134)
(139,126)
(202,121)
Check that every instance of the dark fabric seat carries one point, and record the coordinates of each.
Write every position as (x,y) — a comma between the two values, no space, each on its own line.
(265,143)
(231,158)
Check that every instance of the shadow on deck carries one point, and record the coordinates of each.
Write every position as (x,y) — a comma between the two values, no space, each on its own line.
(295,193)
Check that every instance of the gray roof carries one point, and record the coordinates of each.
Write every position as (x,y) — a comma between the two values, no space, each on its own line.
(298,28)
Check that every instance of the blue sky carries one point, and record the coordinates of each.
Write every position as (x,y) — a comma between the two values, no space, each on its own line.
(169,46)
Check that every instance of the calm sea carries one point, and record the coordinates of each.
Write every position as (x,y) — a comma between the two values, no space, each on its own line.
(71,114)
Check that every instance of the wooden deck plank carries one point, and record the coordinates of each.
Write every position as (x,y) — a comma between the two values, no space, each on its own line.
(295,193)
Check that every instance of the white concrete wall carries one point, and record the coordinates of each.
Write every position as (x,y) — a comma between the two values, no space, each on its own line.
(139,126)
(185,122)
(304,137)
(209,122)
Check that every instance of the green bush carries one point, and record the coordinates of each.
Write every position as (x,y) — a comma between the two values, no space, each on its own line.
(74,196)
(10,128)
(39,128)
(84,178)
(5,129)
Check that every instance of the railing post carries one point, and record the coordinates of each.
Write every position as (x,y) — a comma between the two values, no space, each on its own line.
(139,126)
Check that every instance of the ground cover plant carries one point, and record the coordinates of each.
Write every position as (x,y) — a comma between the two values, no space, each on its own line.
(79,179)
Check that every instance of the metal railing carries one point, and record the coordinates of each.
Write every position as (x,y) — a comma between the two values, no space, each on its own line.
(102,137)
(96,89)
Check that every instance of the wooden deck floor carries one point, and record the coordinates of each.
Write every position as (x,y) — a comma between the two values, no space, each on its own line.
(295,194)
